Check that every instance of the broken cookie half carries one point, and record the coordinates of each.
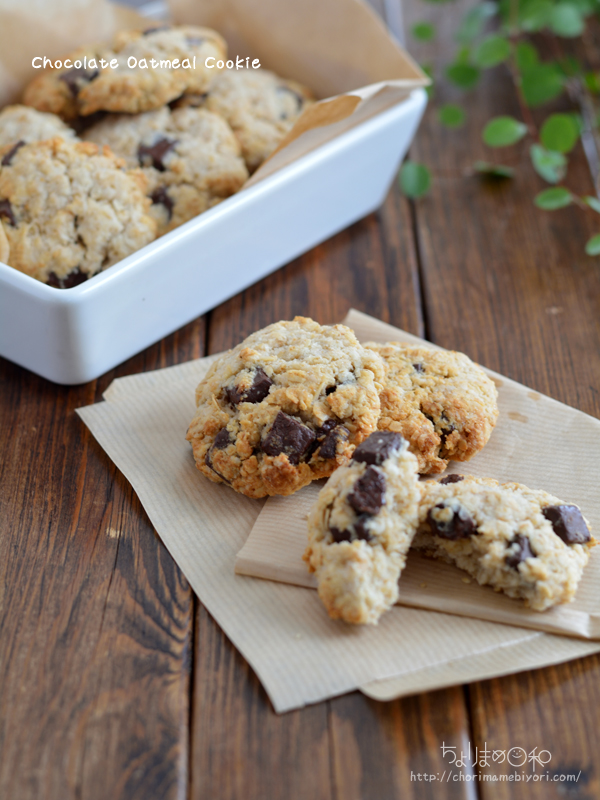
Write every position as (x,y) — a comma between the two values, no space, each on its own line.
(361,528)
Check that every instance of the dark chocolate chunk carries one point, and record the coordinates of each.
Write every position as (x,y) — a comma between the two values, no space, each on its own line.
(328,448)
(71,280)
(261,384)
(521,551)
(289,436)
(458,526)
(161,196)
(6,210)
(418,368)
(326,428)
(222,439)
(356,531)
(447,428)
(77,76)
(157,29)
(368,494)
(568,523)
(330,390)
(153,154)
(454,478)
(8,157)
(379,446)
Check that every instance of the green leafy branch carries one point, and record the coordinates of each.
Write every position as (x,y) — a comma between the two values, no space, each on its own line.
(536,82)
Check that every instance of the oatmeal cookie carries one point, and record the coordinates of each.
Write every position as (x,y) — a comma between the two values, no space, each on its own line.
(260,107)
(190,157)
(361,527)
(85,87)
(523,542)
(285,407)
(69,210)
(20,125)
(443,403)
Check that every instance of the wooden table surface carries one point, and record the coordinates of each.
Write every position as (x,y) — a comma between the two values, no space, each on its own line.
(114,680)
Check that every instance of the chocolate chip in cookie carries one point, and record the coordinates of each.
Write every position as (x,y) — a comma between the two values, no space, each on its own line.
(368,495)
(454,478)
(377,447)
(154,154)
(78,76)
(338,433)
(568,523)
(358,530)
(71,280)
(6,210)
(521,549)
(161,197)
(289,436)
(8,157)
(261,385)
(451,523)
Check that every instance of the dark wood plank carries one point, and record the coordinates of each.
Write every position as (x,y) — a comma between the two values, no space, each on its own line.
(512,286)
(95,618)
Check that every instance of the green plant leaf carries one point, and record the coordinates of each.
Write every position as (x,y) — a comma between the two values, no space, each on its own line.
(551,166)
(560,133)
(415,179)
(463,75)
(535,15)
(566,20)
(493,170)
(423,31)
(592,247)
(541,83)
(452,116)
(592,202)
(503,131)
(551,199)
(493,50)
(592,82)
(473,21)
(527,55)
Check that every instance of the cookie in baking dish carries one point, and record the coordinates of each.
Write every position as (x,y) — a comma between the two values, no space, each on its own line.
(523,542)
(285,407)
(69,210)
(190,157)
(442,402)
(361,527)
(259,106)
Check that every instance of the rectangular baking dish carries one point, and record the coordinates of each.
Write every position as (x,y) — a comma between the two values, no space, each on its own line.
(72,336)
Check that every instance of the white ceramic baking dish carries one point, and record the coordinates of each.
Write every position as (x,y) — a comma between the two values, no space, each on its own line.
(74,335)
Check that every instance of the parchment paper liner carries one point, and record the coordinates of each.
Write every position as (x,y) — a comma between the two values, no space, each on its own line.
(298,653)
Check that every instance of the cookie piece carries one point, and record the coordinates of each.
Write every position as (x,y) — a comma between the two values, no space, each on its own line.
(523,542)
(285,407)
(361,527)
(69,210)
(157,75)
(443,403)
(190,157)
(21,125)
(259,106)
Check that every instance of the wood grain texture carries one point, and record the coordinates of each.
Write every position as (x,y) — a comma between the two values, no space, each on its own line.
(516,291)
(95,618)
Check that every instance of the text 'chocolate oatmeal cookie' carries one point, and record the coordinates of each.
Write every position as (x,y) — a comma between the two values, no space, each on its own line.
(523,542)
(361,527)
(285,407)
(443,403)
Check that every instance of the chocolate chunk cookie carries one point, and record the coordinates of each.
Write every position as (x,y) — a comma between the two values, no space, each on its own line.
(361,527)
(152,68)
(443,403)
(285,407)
(260,107)
(523,542)
(22,125)
(190,157)
(69,210)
